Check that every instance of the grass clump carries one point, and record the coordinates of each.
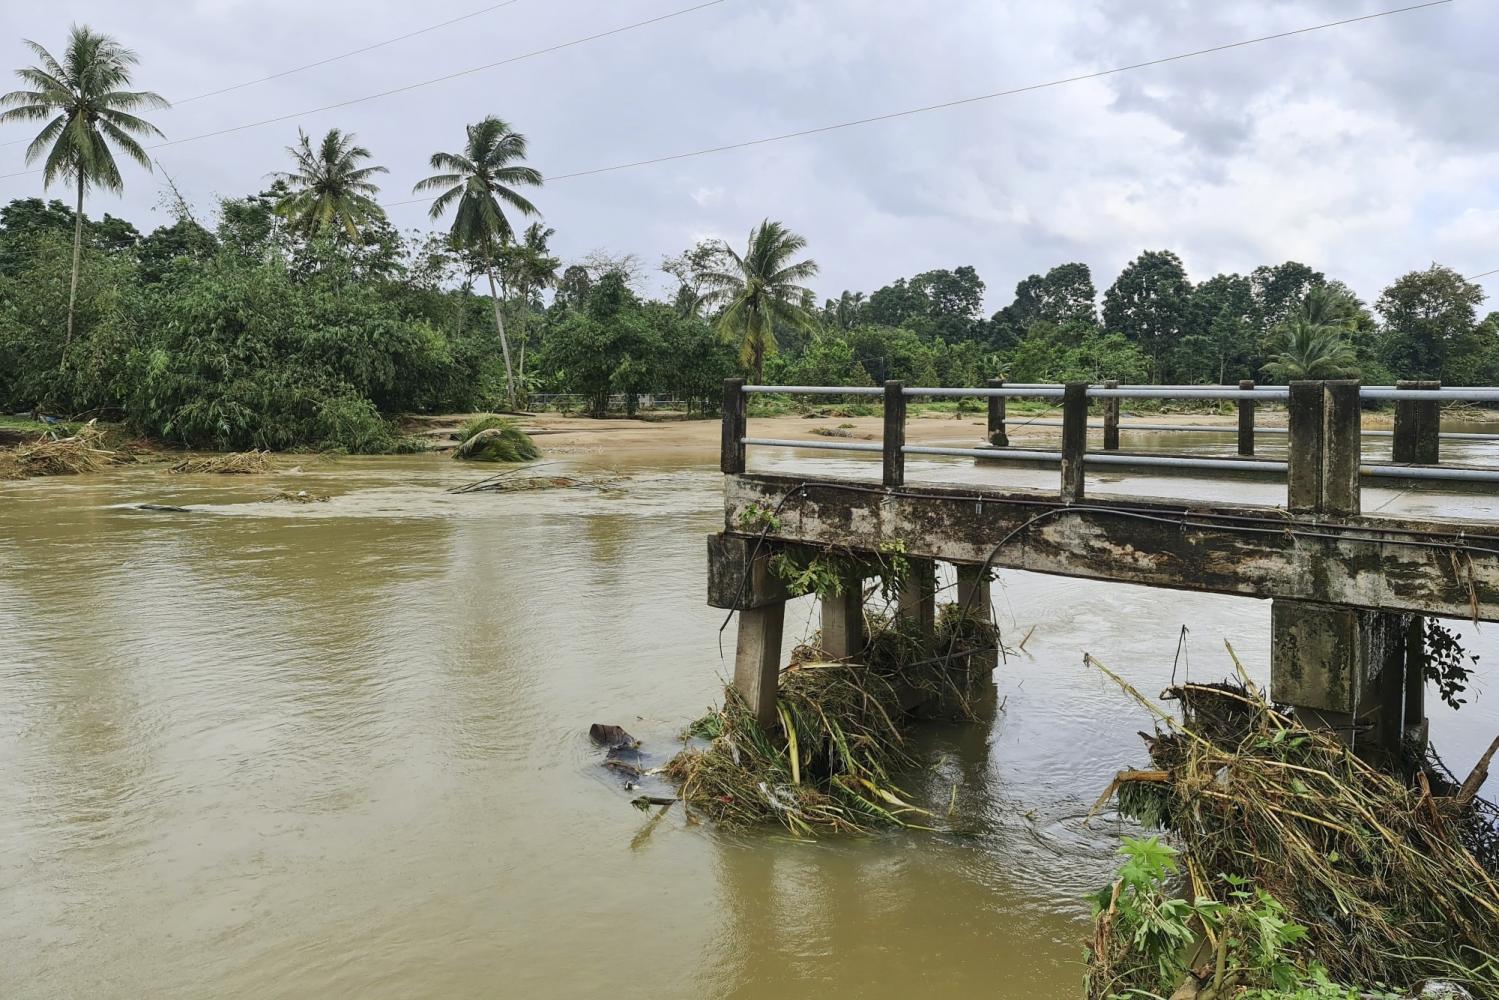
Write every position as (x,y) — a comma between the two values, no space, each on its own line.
(829,763)
(1376,868)
(493,438)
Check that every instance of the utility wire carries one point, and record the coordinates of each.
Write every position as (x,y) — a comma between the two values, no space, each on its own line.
(435,80)
(1081,77)
(1485,274)
(1029,88)
(323,62)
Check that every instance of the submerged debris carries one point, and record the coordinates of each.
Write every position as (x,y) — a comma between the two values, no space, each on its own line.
(235,463)
(301,496)
(80,452)
(1379,869)
(830,762)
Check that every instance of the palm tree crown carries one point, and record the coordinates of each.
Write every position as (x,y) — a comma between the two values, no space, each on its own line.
(84,97)
(481,181)
(761,288)
(1312,342)
(331,188)
(86,105)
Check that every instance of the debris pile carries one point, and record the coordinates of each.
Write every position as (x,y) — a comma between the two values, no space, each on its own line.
(235,463)
(80,452)
(1380,869)
(830,762)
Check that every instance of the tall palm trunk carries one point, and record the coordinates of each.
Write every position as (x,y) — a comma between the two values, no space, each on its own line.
(499,324)
(77,259)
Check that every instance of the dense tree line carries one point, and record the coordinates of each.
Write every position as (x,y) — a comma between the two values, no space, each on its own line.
(254,332)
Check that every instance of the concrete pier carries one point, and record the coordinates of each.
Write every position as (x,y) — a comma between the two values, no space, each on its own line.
(843,620)
(757,659)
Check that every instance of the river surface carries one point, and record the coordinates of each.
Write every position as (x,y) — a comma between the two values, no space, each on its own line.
(268,750)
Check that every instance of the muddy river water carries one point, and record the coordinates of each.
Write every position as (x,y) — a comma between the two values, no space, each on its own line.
(339,750)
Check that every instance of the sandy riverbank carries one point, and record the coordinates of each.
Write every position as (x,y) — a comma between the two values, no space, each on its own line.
(559,434)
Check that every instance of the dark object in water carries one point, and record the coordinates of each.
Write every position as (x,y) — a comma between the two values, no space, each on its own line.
(612,737)
(163,507)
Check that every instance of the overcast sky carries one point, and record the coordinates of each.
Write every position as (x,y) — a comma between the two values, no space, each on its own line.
(1366,150)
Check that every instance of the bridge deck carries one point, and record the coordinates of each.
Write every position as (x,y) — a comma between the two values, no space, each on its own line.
(1446,568)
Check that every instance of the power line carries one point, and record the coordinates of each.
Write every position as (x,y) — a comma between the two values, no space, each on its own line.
(435,80)
(323,62)
(1485,274)
(1030,88)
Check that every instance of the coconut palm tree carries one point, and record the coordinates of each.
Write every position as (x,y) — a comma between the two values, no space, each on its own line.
(760,289)
(330,189)
(85,103)
(1313,341)
(480,181)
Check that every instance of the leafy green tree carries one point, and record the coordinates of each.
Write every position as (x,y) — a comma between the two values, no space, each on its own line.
(1220,342)
(760,289)
(573,287)
(1149,304)
(1064,296)
(331,190)
(85,103)
(478,181)
(1425,314)
(183,239)
(691,269)
(1277,291)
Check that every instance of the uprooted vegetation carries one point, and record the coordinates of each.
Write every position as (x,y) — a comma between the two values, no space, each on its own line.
(1303,865)
(831,761)
(85,450)
(490,437)
(235,463)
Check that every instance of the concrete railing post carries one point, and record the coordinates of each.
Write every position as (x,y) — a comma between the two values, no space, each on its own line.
(998,436)
(1246,420)
(1418,427)
(895,434)
(1074,439)
(1111,419)
(1324,449)
(735,422)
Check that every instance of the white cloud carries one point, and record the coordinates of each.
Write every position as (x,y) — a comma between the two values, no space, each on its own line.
(1364,150)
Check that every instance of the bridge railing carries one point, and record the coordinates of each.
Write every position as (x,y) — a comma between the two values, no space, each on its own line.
(1323,429)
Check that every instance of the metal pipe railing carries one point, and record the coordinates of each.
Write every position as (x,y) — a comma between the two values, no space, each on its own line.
(1094,425)
(817,390)
(1318,412)
(816,445)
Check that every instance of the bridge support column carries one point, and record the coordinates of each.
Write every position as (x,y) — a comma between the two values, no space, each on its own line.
(975,600)
(843,621)
(1341,668)
(917,603)
(1418,426)
(757,660)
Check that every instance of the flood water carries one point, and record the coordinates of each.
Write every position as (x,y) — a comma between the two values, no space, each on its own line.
(339,750)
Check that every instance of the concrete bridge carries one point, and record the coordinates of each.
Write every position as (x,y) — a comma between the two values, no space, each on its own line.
(1349,591)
